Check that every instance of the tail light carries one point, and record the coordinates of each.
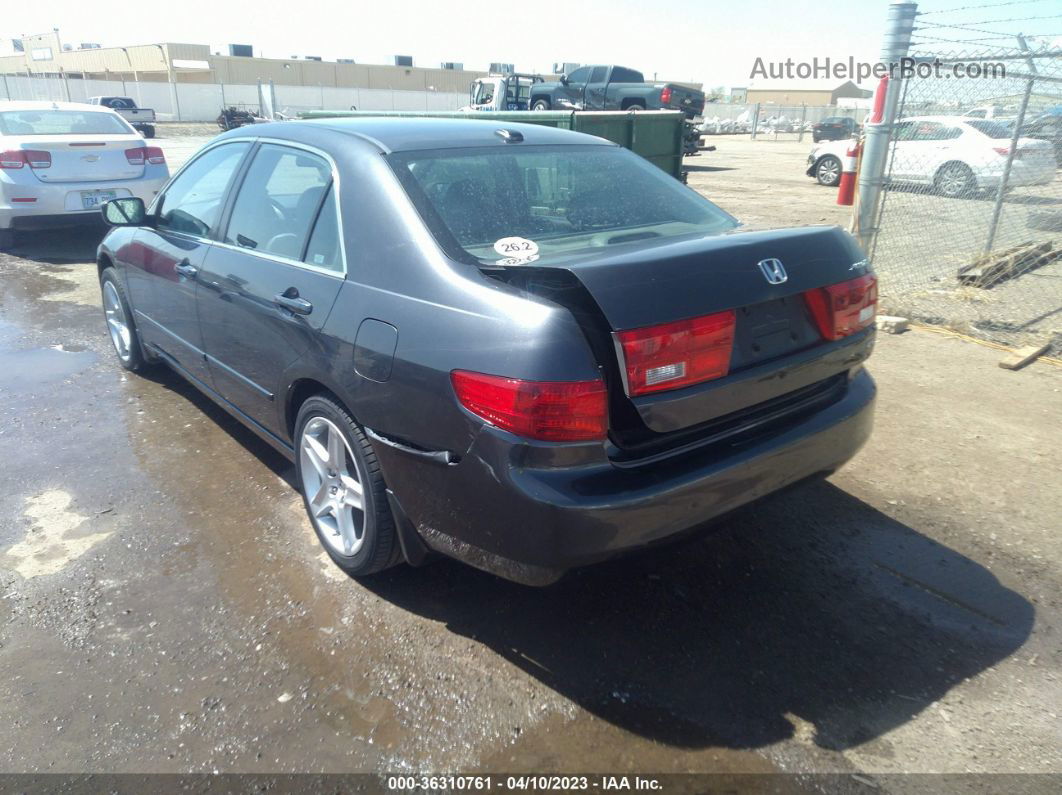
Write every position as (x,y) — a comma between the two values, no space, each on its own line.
(154,155)
(843,309)
(674,355)
(1005,150)
(17,158)
(555,411)
(136,156)
(665,95)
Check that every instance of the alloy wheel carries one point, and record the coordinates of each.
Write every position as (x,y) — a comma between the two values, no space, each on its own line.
(829,171)
(332,486)
(117,324)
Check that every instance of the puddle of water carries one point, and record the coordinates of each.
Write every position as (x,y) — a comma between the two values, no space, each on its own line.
(23,372)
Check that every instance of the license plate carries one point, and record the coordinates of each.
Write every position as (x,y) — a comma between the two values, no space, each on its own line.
(91,199)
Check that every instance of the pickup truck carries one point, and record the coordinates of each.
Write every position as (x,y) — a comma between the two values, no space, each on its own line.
(142,119)
(614,88)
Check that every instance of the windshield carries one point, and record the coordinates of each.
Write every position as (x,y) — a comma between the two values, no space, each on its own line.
(561,200)
(61,122)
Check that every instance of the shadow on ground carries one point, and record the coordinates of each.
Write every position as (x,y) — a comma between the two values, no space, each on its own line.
(811,604)
(65,246)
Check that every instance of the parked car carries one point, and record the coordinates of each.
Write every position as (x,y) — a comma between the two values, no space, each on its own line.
(834,128)
(60,161)
(1047,127)
(524,347)
(955,156)
(614,88)
(142,119)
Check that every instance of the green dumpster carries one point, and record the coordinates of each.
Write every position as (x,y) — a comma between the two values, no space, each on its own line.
(656,135)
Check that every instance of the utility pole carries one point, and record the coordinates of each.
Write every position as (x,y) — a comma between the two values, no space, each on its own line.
(897,43)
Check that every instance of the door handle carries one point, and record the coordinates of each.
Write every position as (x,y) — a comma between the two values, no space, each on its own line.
(289,299)
(186,269)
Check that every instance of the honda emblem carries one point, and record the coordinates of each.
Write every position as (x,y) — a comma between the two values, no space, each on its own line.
(773,271)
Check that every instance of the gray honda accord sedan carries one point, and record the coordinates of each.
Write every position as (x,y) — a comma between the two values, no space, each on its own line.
(523,347)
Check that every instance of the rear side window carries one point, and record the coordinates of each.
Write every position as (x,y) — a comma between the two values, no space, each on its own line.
(323,250)
(61,122)
(623,75)
(192,203)
(993,129)
(279,201)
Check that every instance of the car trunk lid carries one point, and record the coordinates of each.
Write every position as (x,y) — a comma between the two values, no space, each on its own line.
(97,158)
(777,344)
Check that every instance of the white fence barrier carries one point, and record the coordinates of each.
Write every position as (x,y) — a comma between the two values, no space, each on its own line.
(204,101)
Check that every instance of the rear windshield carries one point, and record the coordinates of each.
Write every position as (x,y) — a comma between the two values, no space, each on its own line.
(61,122)
(993,129)
(562,199)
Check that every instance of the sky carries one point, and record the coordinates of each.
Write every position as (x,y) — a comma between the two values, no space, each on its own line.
(711,42)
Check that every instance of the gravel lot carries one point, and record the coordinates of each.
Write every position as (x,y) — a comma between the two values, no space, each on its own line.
(164,605)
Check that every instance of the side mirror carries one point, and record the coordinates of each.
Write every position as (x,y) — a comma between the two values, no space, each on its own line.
(564,80)
(125,212)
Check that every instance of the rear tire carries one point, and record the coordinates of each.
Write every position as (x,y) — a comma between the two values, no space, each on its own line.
(828,171)
(7,239)
(343,489)
(120,325)
(540,104)
(955,181)
(635,106)
(149,131)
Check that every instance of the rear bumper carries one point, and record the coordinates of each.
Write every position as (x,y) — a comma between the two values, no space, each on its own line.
(55,204)
(493,510)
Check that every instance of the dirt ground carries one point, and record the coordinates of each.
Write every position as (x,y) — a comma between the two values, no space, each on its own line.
(164,605)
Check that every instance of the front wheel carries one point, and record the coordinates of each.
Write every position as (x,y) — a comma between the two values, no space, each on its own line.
(540,104)
(828,171)
(343,489)
(7,239)
(120,325)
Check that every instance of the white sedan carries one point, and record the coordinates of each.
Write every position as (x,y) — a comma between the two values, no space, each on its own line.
(60,161)
(956,156)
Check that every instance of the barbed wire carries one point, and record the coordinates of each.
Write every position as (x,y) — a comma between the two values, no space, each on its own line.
(983,5)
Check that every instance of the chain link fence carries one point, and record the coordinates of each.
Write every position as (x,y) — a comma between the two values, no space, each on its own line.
(764,121)
(970,227)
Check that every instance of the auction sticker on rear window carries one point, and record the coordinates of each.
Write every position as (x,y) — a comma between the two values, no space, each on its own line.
(516,250)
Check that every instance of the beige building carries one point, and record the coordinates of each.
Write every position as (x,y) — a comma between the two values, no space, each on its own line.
(43,54)
(806,92)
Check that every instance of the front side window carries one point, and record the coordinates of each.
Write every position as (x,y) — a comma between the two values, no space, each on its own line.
(580,75)
(192,203)
(598,75)
(62,122)
(278,201)
(565,199)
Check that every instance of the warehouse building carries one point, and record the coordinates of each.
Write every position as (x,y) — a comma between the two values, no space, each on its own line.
(805,92)
(45,55)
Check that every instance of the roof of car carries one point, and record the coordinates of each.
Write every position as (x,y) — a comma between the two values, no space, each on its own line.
(19,104)
(405,133)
